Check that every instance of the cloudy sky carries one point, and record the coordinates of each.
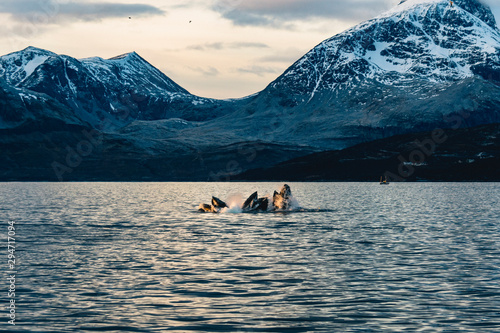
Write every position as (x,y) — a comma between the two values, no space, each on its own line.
(213,48)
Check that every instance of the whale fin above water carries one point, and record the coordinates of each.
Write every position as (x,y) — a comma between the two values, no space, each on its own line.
(250,201)
(218,203)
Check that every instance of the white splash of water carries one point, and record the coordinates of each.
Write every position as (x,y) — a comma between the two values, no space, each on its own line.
(234,203)
(232,210)
(294,203)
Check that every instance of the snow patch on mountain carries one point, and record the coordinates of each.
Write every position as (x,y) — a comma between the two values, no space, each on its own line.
(30,67)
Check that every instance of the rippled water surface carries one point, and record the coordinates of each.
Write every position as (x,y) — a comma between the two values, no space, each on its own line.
(137,257)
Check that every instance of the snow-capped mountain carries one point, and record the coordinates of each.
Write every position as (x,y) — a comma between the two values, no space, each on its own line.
(121,89)
(403,71)
(419,39)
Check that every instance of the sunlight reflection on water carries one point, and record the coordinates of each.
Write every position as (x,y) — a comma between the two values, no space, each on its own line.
(137,257)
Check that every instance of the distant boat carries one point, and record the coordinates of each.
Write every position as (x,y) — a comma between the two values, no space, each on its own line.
(384,182)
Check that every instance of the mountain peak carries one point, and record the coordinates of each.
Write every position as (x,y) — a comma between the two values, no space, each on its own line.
(418,1)
(17,66)
(33,50)
(128,55)
(474,7)
(133,66)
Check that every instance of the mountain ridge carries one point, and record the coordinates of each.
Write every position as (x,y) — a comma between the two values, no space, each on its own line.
(117,90)
(405,71)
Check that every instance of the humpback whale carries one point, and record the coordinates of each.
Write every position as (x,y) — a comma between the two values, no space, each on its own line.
(216,206)
(282,200)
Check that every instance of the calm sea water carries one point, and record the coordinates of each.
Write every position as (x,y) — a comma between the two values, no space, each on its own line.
(137,257)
